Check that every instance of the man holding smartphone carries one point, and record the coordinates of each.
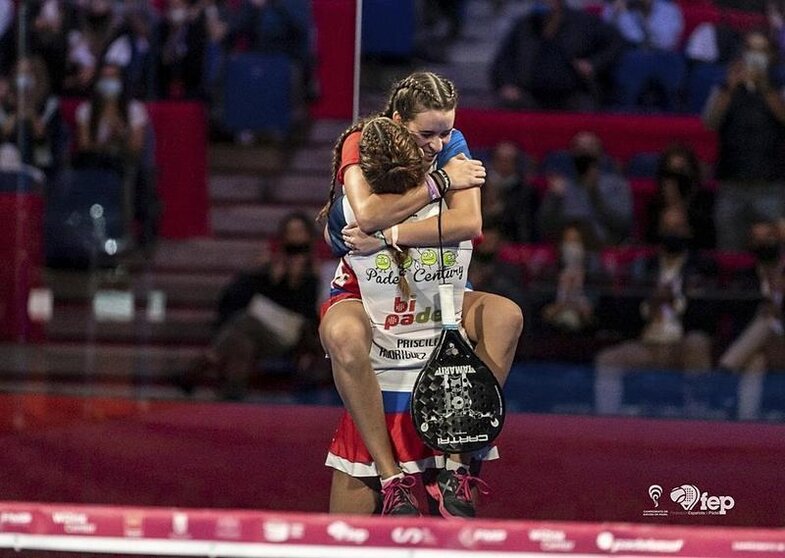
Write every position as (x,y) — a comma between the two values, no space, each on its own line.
(748,112)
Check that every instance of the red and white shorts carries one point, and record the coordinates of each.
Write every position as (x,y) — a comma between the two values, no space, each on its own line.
(348,453)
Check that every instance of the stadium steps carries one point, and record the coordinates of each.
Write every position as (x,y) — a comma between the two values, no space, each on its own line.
(250,191)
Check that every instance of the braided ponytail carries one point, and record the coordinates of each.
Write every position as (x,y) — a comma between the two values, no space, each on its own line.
(336,165)
(392,163)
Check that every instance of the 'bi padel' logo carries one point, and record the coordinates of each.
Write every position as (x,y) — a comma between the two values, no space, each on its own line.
(689,498)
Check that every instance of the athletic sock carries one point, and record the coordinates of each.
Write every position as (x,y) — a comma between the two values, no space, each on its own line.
(388,480)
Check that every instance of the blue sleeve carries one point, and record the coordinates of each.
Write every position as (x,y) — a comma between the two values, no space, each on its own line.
(457,145)
(336,221)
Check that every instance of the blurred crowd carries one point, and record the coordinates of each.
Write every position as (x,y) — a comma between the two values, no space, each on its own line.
(577,204)
(75,76)
(628,55)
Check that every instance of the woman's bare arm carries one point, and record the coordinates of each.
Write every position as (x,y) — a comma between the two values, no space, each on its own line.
(461,220)
(375,212)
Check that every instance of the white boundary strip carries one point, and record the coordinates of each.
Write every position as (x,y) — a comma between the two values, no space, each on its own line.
(215,549)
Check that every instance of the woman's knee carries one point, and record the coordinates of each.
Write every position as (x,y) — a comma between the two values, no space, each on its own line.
(501,312)
(346,335)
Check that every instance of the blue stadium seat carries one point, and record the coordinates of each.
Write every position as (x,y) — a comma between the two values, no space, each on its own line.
(703,76)
(388,28)
(558,162)
(87,219)
(642,165)
(258,93)
(18,182)
(639,69)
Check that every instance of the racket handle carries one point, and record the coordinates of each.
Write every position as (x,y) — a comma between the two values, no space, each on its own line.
(448,307)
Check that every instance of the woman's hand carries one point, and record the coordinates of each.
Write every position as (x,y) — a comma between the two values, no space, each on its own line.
(465,172)
(359,243)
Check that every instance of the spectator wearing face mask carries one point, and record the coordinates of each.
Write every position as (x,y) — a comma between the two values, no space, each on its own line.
(554,57)
(113,132)
(182,36)
(595,195)
(679,186)
(675,333)
(264,313)
(748,113)
(573,309)
(30,106)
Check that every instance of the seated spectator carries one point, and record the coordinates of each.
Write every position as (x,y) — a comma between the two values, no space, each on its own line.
(599,198)
(679,186)
(748,112)
(554,57)
(573,309)
(674,336)
(28,104)
(268,312)
(281,26)
(113,131)
(100,37)
(507,197)
(761,346)
(182,40)
(652,30)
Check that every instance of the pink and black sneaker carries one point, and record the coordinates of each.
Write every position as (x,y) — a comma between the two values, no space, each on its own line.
(397,497)
(452,491)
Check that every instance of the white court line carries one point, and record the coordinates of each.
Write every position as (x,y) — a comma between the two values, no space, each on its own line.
(213,549)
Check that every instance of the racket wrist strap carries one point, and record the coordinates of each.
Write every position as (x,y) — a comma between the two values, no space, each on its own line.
(394,238)
(380,236)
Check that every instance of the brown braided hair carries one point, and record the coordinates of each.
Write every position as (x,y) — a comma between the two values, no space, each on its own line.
(416,93)
(419,92)
(392,163)
(390,159)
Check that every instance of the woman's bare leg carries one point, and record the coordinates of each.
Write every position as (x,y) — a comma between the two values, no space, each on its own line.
(494,323)
(346,336)
(352,495)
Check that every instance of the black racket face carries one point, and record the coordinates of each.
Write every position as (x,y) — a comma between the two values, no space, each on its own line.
(457,404)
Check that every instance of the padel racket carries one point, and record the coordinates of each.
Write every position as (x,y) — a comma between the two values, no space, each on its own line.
(457,403)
